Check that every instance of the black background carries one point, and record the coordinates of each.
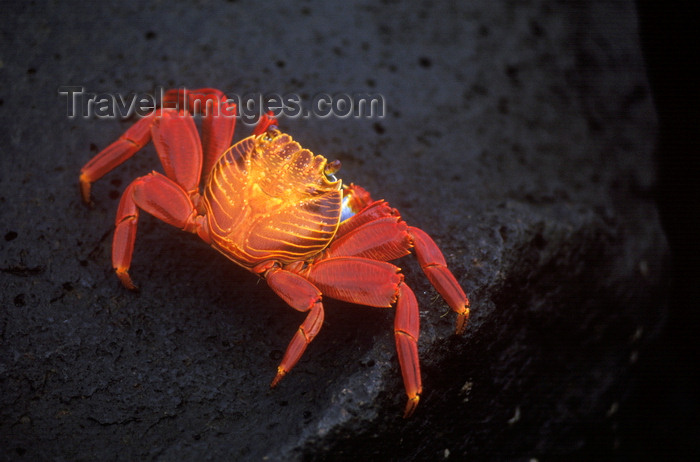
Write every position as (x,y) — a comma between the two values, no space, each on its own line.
(668,400)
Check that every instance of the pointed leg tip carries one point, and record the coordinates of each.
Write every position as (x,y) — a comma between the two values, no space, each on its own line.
(411,405)
(280,373)
(85,187)
(462,319)
(124,277)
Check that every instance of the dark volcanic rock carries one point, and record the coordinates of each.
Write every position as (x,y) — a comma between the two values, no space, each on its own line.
(520,137)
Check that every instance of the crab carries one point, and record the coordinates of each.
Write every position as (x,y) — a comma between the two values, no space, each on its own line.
(279,211)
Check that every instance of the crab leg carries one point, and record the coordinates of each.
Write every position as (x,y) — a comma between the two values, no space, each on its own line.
(303,296)
(218,121)
(167,198)
(406,330)
(175,138)
(378,232)
(435,268)
(179,149)
(124,236)
(218,126)
(376,283)
(383,239)
(162,198)
(356,280)
(115,154)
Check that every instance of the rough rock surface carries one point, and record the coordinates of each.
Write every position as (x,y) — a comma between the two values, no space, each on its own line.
(519,134)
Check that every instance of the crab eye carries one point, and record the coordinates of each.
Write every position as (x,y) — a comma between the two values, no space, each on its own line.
(330,169)
(268,136)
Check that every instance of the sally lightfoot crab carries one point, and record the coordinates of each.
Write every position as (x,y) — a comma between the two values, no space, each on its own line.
(277,210)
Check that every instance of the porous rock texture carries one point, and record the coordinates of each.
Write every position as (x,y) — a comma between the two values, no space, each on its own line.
(518,134)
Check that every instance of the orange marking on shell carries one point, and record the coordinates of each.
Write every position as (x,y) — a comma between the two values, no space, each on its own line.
(268,198)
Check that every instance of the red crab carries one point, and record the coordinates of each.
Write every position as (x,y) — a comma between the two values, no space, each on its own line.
(277,210)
